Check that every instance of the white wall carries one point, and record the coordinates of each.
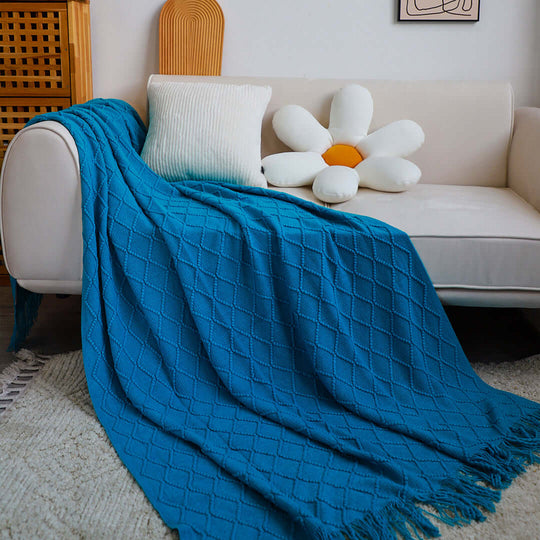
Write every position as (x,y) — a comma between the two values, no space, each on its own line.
(537,58)
(328,38)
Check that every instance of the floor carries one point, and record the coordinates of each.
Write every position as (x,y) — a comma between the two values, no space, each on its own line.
(486,334)
(57,329)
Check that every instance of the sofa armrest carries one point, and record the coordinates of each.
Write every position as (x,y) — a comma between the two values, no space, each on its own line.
(40,205)
(524,159)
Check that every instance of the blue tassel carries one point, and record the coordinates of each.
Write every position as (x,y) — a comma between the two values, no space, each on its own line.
(460,500)
(416,520)
(26,306)
(402,520)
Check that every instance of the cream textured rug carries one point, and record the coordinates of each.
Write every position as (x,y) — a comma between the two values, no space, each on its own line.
(61,478)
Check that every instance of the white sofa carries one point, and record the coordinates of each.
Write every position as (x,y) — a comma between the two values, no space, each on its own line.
(474,218)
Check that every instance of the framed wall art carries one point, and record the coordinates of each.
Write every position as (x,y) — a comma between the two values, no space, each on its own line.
(439,10)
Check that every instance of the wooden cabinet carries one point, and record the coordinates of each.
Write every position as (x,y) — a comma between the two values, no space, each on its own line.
(45,63)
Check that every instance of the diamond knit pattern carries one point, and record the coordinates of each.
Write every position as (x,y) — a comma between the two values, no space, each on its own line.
(268,368)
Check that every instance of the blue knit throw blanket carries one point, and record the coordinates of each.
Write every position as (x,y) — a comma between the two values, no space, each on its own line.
(268,368)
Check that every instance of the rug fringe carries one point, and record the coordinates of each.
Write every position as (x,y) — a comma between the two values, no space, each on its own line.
(15,379)
(460,500)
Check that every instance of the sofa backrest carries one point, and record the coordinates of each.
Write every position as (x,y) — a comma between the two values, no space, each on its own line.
(468,124)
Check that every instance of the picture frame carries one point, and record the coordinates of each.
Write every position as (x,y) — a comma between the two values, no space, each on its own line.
(439,10)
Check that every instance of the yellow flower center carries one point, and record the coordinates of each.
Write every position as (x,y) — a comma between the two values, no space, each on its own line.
(342,154)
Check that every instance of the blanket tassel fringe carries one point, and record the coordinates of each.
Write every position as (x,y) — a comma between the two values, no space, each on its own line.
(26,305)
(461,500)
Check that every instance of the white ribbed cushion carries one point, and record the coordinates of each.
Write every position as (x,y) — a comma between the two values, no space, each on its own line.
(206,131)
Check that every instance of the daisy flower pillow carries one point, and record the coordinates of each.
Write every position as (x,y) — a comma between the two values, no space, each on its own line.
(338,160)
(206,131)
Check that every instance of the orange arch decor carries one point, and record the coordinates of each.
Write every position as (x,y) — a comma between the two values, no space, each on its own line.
(191,37)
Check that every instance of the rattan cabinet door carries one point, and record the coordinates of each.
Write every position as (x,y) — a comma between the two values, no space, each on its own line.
(34,50)
(15,112)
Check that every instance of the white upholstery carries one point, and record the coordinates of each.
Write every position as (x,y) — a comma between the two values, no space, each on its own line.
(524,160)
(480,245)
(467,236)
(305,193)
(41,205)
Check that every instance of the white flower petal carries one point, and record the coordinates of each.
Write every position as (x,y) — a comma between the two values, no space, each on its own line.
(293,169)
(388,173)
(350,114)
(298,129)
(397,139)
(336,184)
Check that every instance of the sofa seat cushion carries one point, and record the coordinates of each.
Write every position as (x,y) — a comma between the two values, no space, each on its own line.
(492,232)
(304,192)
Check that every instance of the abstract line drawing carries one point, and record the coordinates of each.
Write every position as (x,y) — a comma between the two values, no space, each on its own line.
(439,10)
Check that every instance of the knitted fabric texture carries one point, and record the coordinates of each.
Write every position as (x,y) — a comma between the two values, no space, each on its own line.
(25,307)
(268,368)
